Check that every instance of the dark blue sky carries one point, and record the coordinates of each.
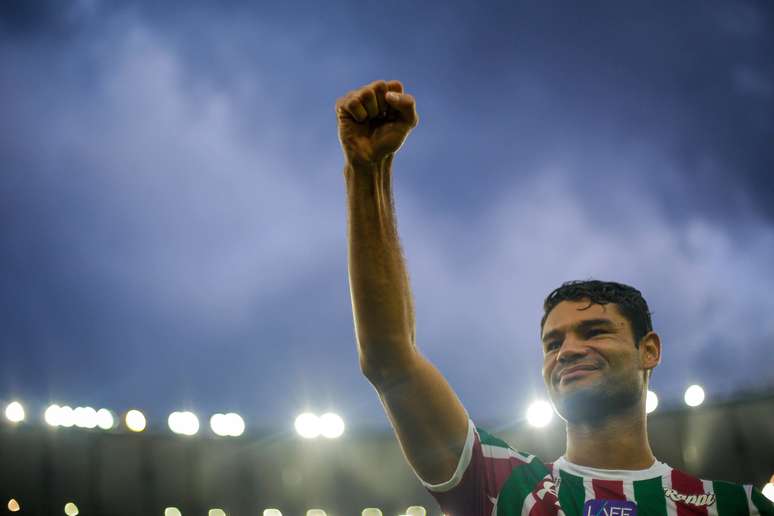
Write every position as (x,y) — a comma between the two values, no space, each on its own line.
(172,214)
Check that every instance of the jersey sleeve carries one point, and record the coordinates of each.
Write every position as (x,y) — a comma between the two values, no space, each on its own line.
(759,504)
(485,464)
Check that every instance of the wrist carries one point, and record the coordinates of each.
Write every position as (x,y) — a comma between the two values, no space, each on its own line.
(368,167)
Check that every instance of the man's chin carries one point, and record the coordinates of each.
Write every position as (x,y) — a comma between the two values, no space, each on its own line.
(587,402)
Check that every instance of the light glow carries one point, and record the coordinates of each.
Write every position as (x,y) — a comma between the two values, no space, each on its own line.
(135,421)
(172,511)
(105,419)
(66,416)
(71,509)
(651,402)
(14,412)
(540,413)
(315,512)
(371,511)
(768,490)
(694,396)
(308,425)
(331,425)
(13,505)
(272,512)
(416,510)
(183,423)
(230,424)
(51,415)
(216,512)
(85,417)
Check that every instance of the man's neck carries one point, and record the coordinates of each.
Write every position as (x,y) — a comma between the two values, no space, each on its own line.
(617,442)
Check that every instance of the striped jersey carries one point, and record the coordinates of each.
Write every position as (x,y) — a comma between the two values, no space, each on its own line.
(493,479)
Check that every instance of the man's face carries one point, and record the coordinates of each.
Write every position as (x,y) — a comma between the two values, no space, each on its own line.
(591,366)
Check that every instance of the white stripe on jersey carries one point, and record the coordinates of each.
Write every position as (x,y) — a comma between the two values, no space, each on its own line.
(671,507)
(712,510)
(750,504)
(498,452)
(628,489)
(529,501)
(588,490)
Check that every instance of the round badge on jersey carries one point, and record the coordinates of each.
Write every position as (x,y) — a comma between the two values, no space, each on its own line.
(601,507)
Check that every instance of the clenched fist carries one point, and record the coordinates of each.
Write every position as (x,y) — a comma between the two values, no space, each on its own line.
(374,121)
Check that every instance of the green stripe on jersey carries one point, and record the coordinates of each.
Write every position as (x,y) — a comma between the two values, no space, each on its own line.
(763,504)
(523,479)
(649,495)
(571,493)
(487,438)
(731,499)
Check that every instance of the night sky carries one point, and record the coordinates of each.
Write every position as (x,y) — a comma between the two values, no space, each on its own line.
(173,217)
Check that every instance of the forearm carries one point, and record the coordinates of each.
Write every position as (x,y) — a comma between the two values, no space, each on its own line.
(381,296)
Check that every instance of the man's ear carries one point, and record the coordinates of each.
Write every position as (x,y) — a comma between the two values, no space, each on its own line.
(650,351)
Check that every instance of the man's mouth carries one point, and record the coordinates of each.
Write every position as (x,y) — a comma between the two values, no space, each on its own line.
(574,372)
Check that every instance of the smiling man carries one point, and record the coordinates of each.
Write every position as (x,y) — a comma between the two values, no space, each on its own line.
(599,349)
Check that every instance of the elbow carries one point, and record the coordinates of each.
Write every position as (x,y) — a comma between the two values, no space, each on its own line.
(380,371)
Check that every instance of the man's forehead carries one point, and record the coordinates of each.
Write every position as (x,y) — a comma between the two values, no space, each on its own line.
(570,313)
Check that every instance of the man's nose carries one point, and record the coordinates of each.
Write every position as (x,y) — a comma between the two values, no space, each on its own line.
(572,349)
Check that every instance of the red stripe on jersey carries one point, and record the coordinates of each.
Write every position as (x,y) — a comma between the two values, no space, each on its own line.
(502,469)
(687,485)
(543,508)
(608,489)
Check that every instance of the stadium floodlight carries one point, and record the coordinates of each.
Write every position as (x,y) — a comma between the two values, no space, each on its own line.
(66,416)
(236,424)
(272,512)
(308,425)
(694,396)
(315,512)
(51,415)
(85,417)
(225,425)
(183,423)
(135,421)
(651,402)
(105,419)
(216,512)
(219,425)
(540,413)
(331,425)
(13,505)
(371,511)
(768,490)
(70,509)
(14,412)
(416,510)
(172,511)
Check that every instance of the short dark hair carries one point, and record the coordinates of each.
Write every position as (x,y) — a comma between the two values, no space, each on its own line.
(629,300)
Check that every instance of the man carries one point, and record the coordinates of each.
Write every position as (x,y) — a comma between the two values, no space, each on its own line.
(599,350)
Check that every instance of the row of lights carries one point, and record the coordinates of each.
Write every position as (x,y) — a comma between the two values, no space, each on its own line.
(308,425)
(540,413)
(70,509)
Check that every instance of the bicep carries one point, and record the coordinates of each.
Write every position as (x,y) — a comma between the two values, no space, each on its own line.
(428,419)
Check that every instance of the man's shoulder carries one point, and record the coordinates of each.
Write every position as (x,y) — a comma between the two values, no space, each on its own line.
(728,496)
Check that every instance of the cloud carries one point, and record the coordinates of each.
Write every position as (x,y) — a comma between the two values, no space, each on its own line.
(480,286)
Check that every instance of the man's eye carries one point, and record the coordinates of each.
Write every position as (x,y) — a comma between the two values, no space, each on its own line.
(592,333)
(554,344)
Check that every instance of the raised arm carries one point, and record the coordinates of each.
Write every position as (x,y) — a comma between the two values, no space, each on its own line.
(428,418)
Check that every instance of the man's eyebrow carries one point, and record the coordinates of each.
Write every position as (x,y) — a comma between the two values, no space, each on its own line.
(583,325)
